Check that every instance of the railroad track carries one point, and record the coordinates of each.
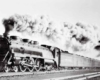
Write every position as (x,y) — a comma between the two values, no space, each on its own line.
(47,75)
(2,74)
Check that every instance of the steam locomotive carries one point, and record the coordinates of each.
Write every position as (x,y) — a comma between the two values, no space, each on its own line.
(23,55)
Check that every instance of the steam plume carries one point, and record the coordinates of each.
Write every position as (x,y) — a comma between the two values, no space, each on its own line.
(77,37)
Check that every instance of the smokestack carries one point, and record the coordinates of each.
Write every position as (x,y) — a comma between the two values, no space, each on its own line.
(8,25)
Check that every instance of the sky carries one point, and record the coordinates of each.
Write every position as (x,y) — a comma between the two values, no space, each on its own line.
(72,11)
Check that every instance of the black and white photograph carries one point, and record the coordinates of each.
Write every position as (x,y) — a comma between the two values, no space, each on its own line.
(49,39)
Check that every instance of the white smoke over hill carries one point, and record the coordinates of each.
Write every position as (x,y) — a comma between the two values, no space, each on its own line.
(78,37)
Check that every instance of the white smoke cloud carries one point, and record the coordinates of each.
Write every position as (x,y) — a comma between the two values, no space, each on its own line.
(78,37)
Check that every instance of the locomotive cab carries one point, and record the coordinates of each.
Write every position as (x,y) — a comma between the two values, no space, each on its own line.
(56,53)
